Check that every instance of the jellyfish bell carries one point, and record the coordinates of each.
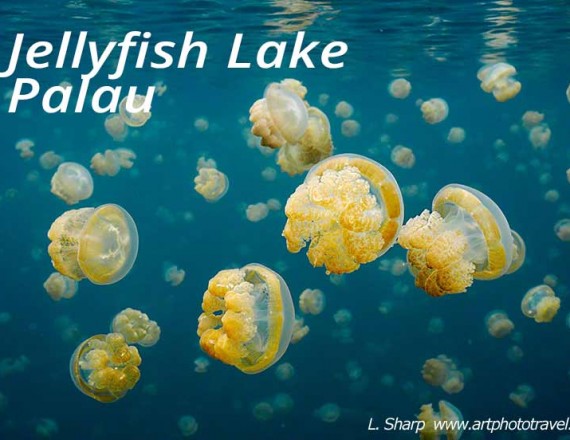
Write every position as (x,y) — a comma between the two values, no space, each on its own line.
(434,110)
(540,303)
(136,116)
(519,253)
(100,244)
(399,88)
(72,183)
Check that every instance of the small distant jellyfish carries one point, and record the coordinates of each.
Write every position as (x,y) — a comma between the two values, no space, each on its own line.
(187,426)
(282,403)
(550,280)
(515,353)
(531,119)
(350,128)
(456,135)
(343,110)
(434,110)
(269,174)
(25,147)
(105,367)
(5,318)
(539,136)
(343,317)
(284,371)
(498,324)
(116,127)
(201,364)
(136,327)
(58,286)
(274,205)
(111,162)
(498,80)
(46,428)
(100,244)
(201,124)
(447,414)
(465,237)
(562,229)
(391,119)
(312,301)
(210,183)
(552,196)
(328,413)
(256,212)
(400,88)
(540,303)
(324,99)
(436,326)
(403,157)
(522,396)
(442,372)
(263,411)
(247,318)
(72,183)
(350,210)
(50,160)
(137,118)
(173,275)
(300,330)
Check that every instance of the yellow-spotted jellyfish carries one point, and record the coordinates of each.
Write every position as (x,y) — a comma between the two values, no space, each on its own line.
(448,414)
(247,318)
(498,80)
(135,116)
(312,301)
(350,210)
(442,372)
(25,147)
(100,244)
(210,183)
(465,237)
(498,324)
(105,367)
(136,327)
(116,127)
(50,160)
(562,229)
(400,88)
(72,183)
(434,110)
(187,425)
(173,275)
(522,396)
(540,303)
(59,286)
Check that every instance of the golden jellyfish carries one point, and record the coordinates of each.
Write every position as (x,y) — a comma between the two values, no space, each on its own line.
(173,275)
(105,163)
(550,280)
(552,196)
(116,127)
(59,286)
(540,303)
(522,396)
(72,183)
(256,212)
(498,324)
(284,371)
(136,327)
(210,183)
(568,93)
(531,119)
(269,174)
(201,124)
(201,364)
(456,135)
(343,110)
(50,160)
(498,80)
(328,413)
(300,330)
(350,128)
(442,372)
(465,237)
(188,426)
(562,229)
(539,136)
(312,301)
(403,157)
(247,318)
(434,110)
(448,414)
(324,99)
(519,253)
(105,367)
(349,208)
(100,244)
(25,147)
(274,205)
(400,88)
(134,111)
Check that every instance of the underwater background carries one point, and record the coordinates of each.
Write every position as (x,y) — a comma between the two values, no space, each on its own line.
(372,370)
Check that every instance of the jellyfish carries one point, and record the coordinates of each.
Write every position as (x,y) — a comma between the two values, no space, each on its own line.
(403,157)
(531,119)
(10,365)
(201,124)
(256,212)
(274,205)
(160,88)
(519,253)
(136,327)
(550,280)
(210,183)
(350,128)
(201,364)
(540,303)
(105,367)
(46,428)
(25,147)
(263,411)
(187,426)
(522,396)
(281,115)
(350,210)
(134,119)
(328,413)
(72,183)
(111,162)
(324,99)
(434,110)
(498,80)
(282,403)
(116,127)
(539,136)
(342,317)
(400,88)
(448,414)
(562,229)
(568,93)
(300,330)
(552,196)
(436,325)
(456,135)
(312,301)
(100,244)
(269,174)
(442,372)
(515,353)
(343,110)
(498,324)
(284,371)
(50,160)
(247,318)
(391,119)
(173,275)
(465,237)
(59,286)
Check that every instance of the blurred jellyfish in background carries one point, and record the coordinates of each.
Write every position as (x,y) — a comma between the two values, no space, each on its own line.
(434,110)
(274,205)
(465,237)
(50,160)
(403,157)
(324,99)
(160,88)
(67,329)
(116,128)
(284,371)
(343,110)
(396,266)
(100,244)
(442,372)
(25,148)
(256,212)
(400,88)
(312,301)
(568,175)
(350,128)
(562,229)
(552,196)
(519,252)
(300,330)
(540,303)
(269,174)
(568,93)
(539,136)
(343,317)
(515,353)
(201,124)
(173,275)
(46,428)
(138,117)
(350,210)
(328,413)
(498,80)
(111,162)
(201,364)
(282,403)
(187,426)
(105,367)
(456,135)
(247,318)
(550,280)
(136,327)
(522,396)
(72,183)
(498,324)
(210,183)
(531,118)
(263,411)
(5,318)
(9,366)
(436,326)
(59,286)
(447,413)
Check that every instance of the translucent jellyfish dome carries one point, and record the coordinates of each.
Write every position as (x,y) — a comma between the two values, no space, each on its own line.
(540,303)
(72,183)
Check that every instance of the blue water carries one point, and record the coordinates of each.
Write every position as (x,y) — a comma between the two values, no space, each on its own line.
(438,46)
